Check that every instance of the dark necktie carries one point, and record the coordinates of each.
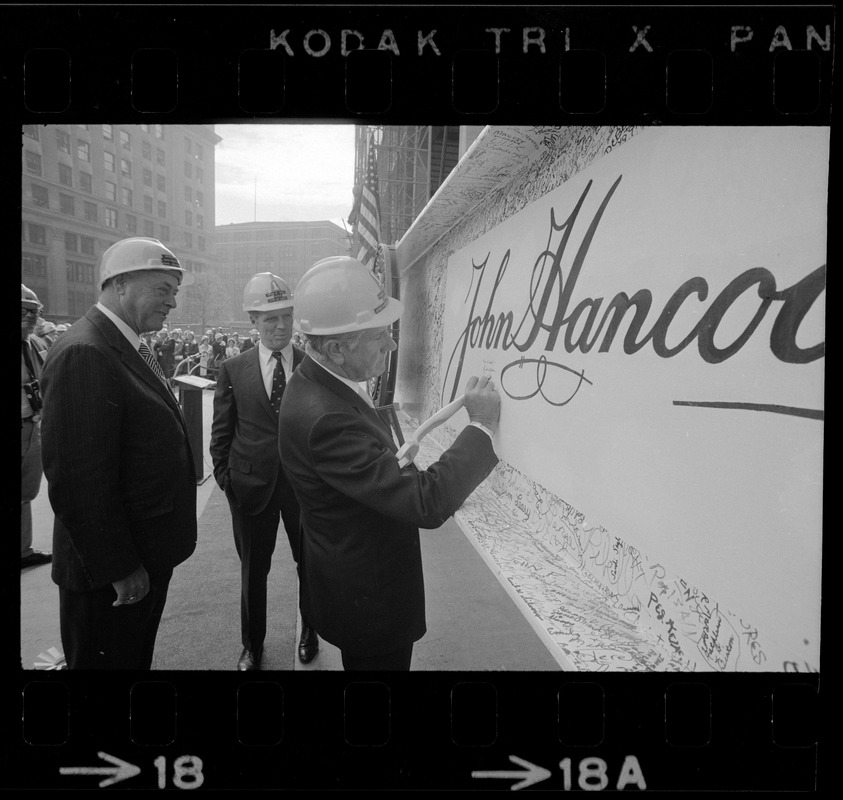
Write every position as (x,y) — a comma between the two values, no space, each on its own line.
(279,381)
(147,356)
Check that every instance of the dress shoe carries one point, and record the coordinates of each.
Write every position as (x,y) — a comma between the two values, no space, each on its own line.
(249,660)
(35,558)
(308,644)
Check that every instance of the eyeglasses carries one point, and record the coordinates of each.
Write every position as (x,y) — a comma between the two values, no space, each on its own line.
(30,312)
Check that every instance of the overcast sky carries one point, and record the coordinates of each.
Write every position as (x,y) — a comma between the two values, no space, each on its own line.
(303,172)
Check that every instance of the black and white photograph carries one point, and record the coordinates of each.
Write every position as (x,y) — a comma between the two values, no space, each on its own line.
(517,388)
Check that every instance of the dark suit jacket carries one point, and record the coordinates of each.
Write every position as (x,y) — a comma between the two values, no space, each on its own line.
(362,583)
(117,460)
(244,433)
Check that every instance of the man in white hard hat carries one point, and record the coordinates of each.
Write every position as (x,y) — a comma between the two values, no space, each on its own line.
(362,582)
(118,464)
(244,449)
(33,352)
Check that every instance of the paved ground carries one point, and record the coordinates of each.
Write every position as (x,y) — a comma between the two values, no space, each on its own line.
(473,624)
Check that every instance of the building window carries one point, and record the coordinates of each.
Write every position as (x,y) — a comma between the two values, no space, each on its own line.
(85,182)
(200,199)
(148,229)
(165,233)
(83,150)
(65,175)
(63,141)
(125,140)
(188,239)
(33,162)
(80,272)
(111,218)
(40,196)
(126,196)
(66,204)
(146,149)
(188,194)
(131,223)
(162,209)
(126,167)
(188,145)
(200,240)
(90,211)
(108,132)
(199,152)
(34,265)
(37,234)
(71,242)
(188,169)
(111,191)
(161,182)
(109,161)
(147,177)
(200,221)
(200,175)
(31,131)
(159,156)
(188,218)
(87,243)
(147,204)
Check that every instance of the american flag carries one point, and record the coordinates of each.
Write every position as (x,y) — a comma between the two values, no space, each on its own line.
(368,221)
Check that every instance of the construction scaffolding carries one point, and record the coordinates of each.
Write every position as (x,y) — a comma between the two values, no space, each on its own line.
(413,160)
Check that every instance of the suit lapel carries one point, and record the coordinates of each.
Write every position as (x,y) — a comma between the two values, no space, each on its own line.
(321,376)
(131,358)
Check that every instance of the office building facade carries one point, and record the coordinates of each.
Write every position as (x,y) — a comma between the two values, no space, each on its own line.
(84,187)
(287,249)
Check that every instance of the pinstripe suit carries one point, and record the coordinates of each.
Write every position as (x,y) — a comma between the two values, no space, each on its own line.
(122,486)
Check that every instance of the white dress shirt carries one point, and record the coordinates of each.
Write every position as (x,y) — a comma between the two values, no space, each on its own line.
(133,338)
(267,361)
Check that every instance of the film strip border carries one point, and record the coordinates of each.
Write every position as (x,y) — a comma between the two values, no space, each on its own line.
(443,732)
(579,65)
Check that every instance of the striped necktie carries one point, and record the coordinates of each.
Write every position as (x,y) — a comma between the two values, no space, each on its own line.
(147,356)
(279,381)
(365,395)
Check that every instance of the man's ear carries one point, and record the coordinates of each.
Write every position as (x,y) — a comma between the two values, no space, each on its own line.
(334,352)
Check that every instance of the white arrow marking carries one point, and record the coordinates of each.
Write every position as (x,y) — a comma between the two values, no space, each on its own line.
(534,773)
(120,772)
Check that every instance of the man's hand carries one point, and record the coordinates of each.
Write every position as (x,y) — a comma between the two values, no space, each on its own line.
(482,402)
(133,588)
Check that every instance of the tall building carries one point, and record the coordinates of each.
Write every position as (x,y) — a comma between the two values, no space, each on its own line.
(287,249)
(413,161)
(86,186)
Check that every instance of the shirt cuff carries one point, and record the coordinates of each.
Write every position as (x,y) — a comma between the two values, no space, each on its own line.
(488,431)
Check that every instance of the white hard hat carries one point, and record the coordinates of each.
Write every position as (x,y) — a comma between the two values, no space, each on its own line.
(28,298)
(48,327)
(266,292)
(339,295)
(139,253)
(61,328)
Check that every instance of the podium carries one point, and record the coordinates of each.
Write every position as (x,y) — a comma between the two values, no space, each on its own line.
(190,398)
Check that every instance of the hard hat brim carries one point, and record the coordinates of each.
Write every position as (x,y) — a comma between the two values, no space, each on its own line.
(185,278)
(391,313)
